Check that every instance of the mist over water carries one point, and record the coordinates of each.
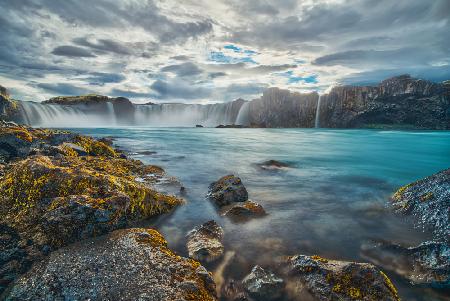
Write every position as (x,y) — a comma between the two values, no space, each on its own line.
(333,198)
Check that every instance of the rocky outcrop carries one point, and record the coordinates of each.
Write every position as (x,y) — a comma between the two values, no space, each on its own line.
(429,201)
(273,165)
(204,243)
(317,278)
(397,102)
(278,108)
(133,264)
(243,211)
(227,190)
(9,109)
(263,284)
(53,194)
(426,264)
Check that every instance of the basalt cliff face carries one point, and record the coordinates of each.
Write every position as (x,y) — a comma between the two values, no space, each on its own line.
(397,102)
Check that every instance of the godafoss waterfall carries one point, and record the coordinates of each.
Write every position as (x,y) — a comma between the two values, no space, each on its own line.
(342,196)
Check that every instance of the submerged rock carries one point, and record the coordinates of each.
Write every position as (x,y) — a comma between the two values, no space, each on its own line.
(204,243)
(242,211)
(262,284)
(273,165)
(227,190)
(322,279)
(428,263)
(234,291)
(132,264)
(429,200)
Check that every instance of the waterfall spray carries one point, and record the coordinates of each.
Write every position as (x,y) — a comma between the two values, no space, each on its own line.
(316,123)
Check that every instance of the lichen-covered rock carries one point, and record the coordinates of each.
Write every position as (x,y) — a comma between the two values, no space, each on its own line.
(47,202)
(429,201)
(132,264)
(263,284)
(323,279)
(204,243)
(428,263)
(242,211)
(227,190)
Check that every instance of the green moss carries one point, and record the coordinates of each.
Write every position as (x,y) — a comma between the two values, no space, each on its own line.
(94,147)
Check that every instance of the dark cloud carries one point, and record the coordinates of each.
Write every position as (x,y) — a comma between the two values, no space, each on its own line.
(184,69)
(103,45)
(178,89)
(398,57)
(216,74)
(180,57)
(72,51)
(101,78)
(63,89)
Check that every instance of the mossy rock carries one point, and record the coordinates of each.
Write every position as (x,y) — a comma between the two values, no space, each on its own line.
(132,264)
(324,279)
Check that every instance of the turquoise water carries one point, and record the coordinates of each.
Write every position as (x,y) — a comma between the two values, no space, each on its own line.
(333,198)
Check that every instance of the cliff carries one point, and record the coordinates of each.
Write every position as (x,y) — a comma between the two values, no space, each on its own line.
(397,102)
(282,108)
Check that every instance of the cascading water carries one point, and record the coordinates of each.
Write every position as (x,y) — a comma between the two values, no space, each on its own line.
(317,121)
(242,117)
(156,115)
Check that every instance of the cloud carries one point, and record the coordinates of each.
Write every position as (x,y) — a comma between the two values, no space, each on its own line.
(64,89)
(72,51)
(179,89)
(103,45)
(184,69)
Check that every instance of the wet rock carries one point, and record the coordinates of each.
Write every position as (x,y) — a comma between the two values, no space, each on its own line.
(273,165)
(244,210)
(428,263)
(78,149)
(147,153)
(428,200)
(132,264)
(323,279)
(107,140)
(230,126)
(204,243)
(263,284)
(198,126)
(227,190)
(234,291)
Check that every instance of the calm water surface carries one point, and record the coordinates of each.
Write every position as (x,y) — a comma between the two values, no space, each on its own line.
(334,197)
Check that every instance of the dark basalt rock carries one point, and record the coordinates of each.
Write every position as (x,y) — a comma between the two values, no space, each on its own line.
(132,264)
(398,102)
(227,190)
(243,211)
(429,201)
(428,263)
(230,126)
(318,278)
(198,126)
(204,243)
(263,284)
(273,165)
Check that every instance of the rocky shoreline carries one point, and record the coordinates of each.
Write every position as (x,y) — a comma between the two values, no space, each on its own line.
(70,205)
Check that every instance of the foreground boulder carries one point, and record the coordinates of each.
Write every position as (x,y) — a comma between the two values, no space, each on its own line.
(227,190)
(428,200)
(133,264)
(204,243)
(52,200)
(262,284)
(243,211)
(318,278)
(428,263)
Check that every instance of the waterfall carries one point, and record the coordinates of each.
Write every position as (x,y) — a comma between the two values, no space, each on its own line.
(317,121)
(242,117)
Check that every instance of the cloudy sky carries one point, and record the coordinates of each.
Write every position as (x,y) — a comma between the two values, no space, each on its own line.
(200,51)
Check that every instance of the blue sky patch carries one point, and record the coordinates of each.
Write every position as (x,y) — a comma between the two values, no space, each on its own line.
(293,79)
(220,57)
